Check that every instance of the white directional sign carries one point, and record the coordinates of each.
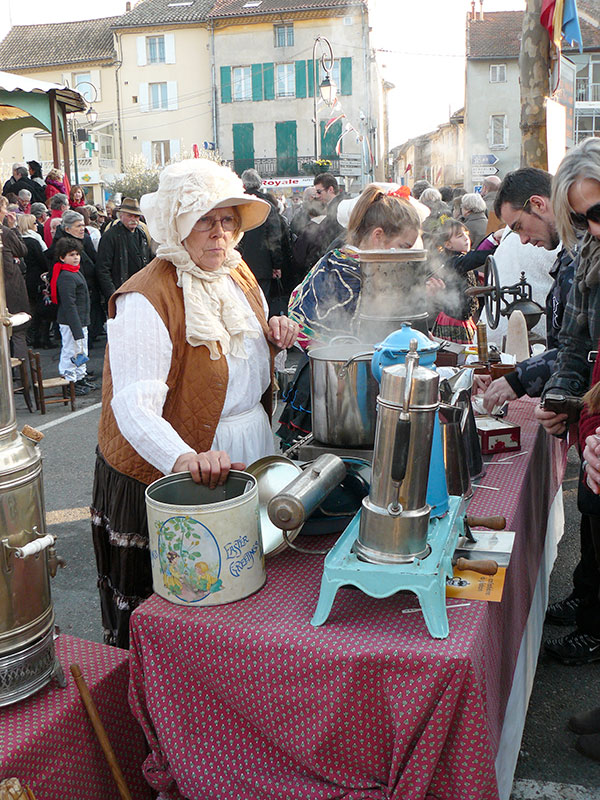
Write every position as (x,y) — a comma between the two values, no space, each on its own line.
(479,172)
(350,164)
(484,158)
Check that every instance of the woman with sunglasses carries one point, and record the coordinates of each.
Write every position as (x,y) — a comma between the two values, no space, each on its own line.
(576,203)
(188,371)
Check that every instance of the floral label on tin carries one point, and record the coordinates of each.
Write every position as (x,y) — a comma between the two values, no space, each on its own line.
(190,559)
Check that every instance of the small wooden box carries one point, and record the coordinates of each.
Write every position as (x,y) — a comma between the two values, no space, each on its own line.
(497,435)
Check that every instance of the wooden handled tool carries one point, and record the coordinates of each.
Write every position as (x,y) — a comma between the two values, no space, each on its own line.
(494,523)
(478,291)
(483,567)
(100,732)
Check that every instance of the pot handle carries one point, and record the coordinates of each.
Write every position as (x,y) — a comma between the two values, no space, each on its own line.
(344,367)
(31,548)
(344,337)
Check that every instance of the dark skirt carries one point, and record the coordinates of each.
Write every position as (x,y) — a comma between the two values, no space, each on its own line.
(120,536)
(296,418)
(461,331)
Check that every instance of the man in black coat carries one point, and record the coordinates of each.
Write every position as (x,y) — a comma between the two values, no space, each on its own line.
(328,193)
(21,180)
(123,249)
(267,249)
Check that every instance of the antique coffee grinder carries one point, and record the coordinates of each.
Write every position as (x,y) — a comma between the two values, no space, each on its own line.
(395,542)
(27,555)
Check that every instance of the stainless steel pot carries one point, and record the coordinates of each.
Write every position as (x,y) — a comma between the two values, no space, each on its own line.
(343,393)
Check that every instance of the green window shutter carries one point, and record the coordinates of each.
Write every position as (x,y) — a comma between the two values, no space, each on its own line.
(286,148)
(346,76)
(257,82)
(226,84)
(329,141)
(311,78)
(269,80)
(300,78)
(243,146)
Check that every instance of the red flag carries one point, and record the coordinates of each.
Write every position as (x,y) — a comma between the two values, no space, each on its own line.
(195,151)
(546,16)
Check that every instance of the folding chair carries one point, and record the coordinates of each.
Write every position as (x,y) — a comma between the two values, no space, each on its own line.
(41,386)
(24,388)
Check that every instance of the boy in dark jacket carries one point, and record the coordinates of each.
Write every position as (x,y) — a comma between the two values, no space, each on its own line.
(68,289)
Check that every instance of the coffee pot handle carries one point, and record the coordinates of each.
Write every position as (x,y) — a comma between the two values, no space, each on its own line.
(400,456)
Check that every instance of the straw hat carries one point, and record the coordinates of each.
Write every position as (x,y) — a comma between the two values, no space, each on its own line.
(188,190)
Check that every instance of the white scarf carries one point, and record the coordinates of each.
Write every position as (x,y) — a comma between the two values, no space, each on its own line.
(213,314)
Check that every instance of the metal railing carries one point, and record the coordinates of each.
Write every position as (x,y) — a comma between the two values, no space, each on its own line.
(586,92)
(267,167)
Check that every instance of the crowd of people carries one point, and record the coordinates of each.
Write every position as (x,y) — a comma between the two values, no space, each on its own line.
(63,259)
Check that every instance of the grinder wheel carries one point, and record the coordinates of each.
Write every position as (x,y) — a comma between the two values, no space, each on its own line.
(494,295)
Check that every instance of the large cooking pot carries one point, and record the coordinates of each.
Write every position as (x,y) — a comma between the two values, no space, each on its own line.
(343,393)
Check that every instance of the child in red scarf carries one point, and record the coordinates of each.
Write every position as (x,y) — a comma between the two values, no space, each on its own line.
(69,290)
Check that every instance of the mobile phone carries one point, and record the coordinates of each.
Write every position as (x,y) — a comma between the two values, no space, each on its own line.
(563,404)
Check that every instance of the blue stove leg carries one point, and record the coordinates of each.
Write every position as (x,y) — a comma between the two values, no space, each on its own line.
(433,605)
(326,598)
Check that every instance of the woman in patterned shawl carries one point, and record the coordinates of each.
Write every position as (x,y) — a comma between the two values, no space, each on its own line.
(325,302)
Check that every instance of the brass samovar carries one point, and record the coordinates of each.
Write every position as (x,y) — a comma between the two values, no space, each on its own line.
(27,555)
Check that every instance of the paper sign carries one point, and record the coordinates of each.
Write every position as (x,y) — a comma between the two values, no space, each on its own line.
(467,585)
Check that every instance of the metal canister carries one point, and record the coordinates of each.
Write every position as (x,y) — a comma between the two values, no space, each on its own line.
(27,556)
(395,516)
(290,508)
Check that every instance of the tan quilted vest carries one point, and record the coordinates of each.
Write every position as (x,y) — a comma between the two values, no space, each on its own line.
(197,384)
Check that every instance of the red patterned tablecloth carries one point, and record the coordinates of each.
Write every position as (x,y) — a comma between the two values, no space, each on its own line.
(249,701)
(47,740)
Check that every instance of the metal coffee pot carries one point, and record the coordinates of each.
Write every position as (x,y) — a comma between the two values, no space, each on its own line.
(395,516)
(27,555)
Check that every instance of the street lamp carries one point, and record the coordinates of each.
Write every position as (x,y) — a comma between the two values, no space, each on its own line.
(327,87)
(91,115)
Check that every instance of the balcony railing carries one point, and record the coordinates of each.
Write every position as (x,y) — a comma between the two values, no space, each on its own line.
(267,167)
(587,92)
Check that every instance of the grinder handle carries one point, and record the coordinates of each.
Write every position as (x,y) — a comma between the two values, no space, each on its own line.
(400,456)
(483,567)
(493,523)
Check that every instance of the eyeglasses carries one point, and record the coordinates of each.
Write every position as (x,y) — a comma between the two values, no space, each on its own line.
(581,221)
(206,224)
(516,224)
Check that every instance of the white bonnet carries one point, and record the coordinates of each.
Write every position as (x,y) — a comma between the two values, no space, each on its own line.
(187,190)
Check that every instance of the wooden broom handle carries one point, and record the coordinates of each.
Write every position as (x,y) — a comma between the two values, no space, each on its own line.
(100,732)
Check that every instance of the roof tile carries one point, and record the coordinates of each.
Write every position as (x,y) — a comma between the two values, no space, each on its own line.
(498,34)
(164,12)
(237,8)
(29,46)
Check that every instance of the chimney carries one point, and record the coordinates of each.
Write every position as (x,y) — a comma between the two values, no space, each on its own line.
(127,6)
(480,9)
(473,15)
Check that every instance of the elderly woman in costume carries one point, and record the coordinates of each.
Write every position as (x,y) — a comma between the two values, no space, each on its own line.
(188,371)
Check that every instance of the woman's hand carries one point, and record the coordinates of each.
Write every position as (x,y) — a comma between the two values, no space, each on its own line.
(481,383)
(434,285)
(210,468)
(283,331)
(553,423)
(591,461)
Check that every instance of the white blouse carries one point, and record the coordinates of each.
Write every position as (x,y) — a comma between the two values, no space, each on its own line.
(140,352)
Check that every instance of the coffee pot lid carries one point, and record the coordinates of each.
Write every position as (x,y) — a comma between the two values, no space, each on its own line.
(399,341)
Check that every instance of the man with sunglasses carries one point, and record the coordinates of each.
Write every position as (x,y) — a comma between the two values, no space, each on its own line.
(523,203)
